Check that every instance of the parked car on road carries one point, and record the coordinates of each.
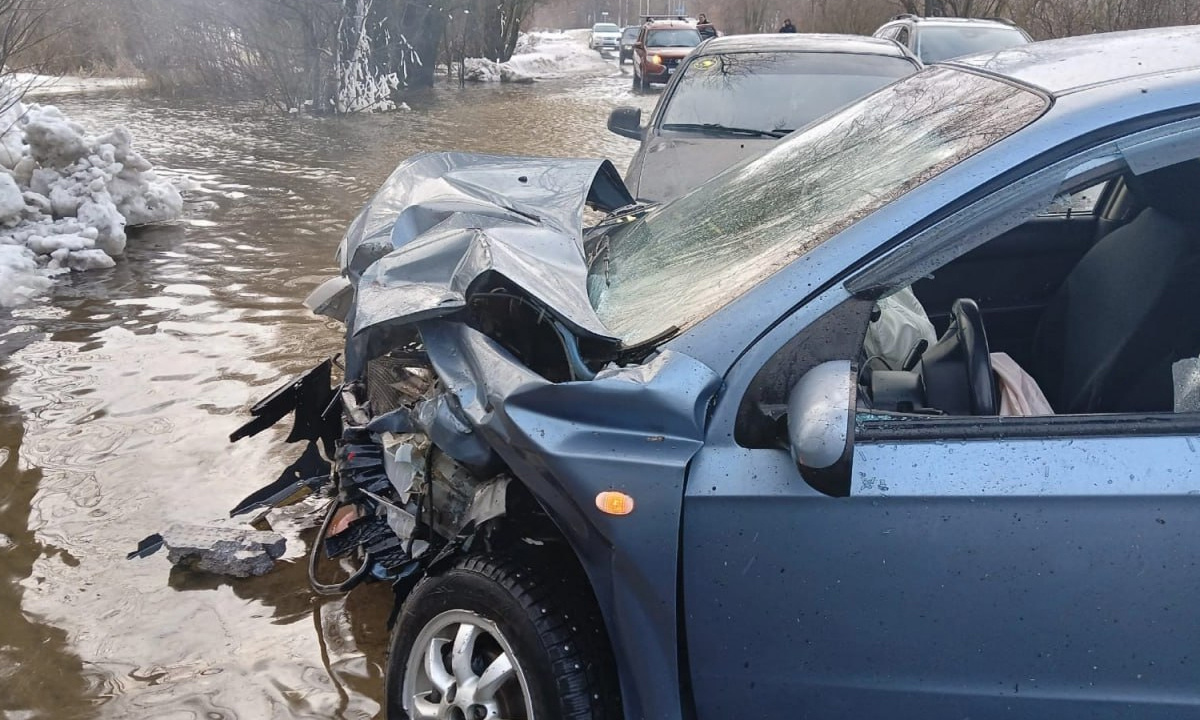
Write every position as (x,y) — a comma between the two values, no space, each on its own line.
(735,96)
(659,49)
(605,36)
(937,39)
(629,36)
(651,470)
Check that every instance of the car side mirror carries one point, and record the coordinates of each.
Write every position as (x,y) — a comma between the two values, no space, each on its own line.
(626,122)
(820,426)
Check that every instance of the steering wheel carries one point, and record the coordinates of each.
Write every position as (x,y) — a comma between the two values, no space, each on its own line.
(967,325)
(953,377)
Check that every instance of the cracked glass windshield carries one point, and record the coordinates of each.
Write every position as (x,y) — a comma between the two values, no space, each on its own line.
(687,259)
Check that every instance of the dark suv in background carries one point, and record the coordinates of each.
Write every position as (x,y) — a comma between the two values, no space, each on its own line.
(629,36)
(937,39)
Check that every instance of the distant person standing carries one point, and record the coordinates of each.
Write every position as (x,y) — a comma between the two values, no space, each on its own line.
(705,28)
(788,27)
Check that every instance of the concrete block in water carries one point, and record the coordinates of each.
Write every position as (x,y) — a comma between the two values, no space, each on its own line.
(223,550)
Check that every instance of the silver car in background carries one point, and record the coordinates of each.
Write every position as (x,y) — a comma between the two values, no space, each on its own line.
(605,36)
(937,39)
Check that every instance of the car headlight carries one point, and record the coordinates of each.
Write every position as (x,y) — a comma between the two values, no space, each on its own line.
(656,59)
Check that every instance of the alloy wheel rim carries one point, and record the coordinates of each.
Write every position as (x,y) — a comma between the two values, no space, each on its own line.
(461,667)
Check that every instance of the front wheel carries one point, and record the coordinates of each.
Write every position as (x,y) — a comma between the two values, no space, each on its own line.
(493,639)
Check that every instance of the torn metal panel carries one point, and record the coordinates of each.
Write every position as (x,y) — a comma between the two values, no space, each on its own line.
(425,190)
(490,501)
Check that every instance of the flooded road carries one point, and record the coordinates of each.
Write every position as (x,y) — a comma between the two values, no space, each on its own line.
(117,396)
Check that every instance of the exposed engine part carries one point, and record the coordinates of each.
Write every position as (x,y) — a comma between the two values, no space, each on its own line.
(396,379)
(407,467)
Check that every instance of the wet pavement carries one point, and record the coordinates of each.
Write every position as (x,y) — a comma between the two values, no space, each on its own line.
(118,393)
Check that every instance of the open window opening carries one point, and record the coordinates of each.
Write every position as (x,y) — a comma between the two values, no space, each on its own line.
(1075,313)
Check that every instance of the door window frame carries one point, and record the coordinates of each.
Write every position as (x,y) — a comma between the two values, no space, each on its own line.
(1139,153)
(917,251)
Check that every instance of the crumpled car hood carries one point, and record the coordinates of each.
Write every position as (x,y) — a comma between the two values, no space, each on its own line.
(443,220)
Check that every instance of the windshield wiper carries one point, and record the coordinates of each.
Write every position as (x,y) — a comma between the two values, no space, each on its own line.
(600,255)
(718,129)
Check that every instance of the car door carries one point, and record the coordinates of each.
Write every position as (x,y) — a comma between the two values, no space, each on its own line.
(980,567)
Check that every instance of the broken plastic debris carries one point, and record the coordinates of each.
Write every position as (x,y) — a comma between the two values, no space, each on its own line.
(342,519)
(147,547)
(223,550)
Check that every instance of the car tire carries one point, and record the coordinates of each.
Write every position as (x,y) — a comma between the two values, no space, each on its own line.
(542,635)
(637,82)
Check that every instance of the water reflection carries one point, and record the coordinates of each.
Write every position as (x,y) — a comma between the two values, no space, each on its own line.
(116,400)
(39,674)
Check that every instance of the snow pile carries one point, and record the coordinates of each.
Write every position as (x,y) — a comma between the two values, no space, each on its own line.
(542,55)
(20,279)
(484,70)
(67,197)
(34,85)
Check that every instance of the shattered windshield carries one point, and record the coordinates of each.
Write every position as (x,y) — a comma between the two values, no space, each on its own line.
(687,259)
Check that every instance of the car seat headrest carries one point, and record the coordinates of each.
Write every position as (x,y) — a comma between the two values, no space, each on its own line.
(1173,190)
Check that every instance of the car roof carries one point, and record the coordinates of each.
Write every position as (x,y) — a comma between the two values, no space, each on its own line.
(803,42)
(668,24)
(954,21)
(1090,61)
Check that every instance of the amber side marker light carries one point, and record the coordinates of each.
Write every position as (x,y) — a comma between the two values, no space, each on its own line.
(611,502)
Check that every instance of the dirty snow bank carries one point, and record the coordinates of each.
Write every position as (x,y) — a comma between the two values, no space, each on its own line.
(542,55)
(34,85)
(66,198)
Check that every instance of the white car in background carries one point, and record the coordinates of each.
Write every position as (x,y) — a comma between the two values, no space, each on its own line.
(605,36)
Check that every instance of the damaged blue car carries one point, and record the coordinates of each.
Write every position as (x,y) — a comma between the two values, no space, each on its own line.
(898,419)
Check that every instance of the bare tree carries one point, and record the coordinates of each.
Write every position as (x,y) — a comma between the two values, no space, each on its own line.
(24,30)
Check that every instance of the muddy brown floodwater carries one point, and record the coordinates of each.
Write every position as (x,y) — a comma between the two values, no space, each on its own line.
(117,395)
